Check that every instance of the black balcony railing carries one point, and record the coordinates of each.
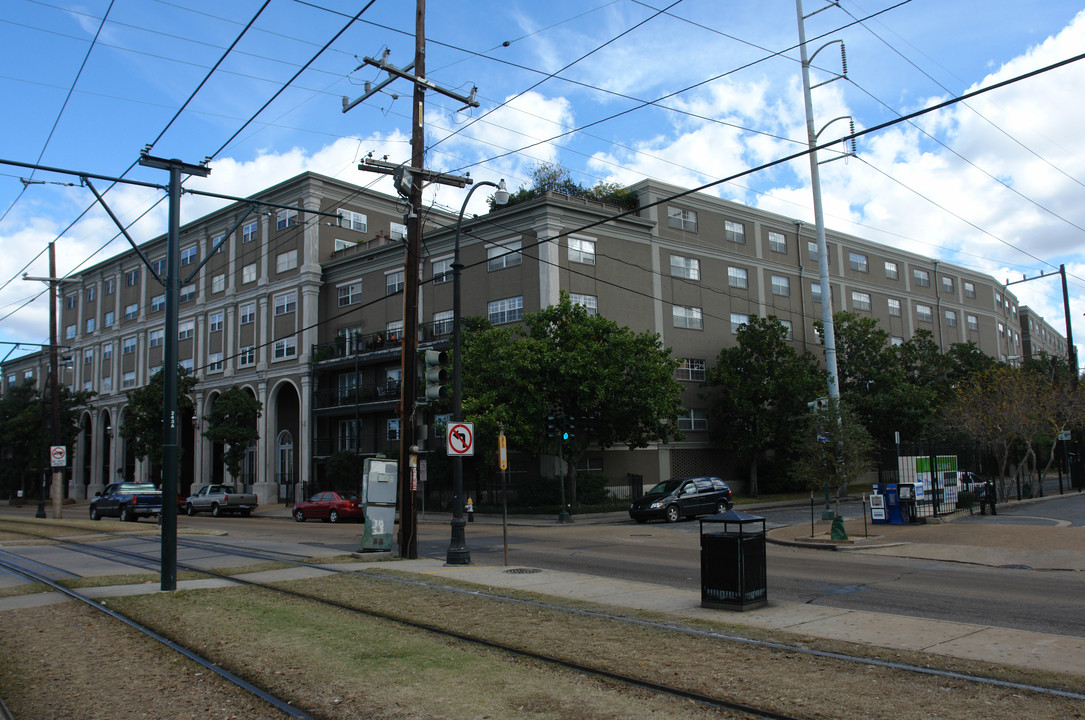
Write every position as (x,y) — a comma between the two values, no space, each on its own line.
(347,346)
(368,444)
(346,397)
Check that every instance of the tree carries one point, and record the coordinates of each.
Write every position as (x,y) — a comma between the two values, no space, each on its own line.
(759,386)
(232,422)
(555,177)
(617,385)
(833,448)
(142,426)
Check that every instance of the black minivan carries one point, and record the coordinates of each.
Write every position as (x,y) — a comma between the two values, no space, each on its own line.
(683,497)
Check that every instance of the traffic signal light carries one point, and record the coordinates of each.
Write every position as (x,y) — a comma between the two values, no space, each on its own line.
(570,428)
(436,375)
(551,427)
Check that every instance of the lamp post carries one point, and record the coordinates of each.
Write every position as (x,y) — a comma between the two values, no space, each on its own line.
(458,554)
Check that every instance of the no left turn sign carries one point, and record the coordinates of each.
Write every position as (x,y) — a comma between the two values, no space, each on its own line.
(460,439)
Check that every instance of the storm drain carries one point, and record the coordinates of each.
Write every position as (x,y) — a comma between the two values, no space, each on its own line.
(523,571)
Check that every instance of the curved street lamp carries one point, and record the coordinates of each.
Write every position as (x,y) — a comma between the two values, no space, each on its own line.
(458,554)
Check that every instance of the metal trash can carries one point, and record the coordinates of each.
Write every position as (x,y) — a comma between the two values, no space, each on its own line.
(733,561)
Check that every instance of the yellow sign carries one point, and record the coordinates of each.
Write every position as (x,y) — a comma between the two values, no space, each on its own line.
(502,452)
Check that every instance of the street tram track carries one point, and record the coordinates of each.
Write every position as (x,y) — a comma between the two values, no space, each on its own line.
(139,560)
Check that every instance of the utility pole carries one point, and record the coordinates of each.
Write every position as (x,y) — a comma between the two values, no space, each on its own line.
(1071,351)
(409,182)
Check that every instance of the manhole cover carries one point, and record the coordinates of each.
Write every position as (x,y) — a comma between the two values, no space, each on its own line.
(523,571)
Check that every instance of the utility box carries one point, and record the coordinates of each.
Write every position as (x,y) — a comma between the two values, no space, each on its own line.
(733,571)
(380,485)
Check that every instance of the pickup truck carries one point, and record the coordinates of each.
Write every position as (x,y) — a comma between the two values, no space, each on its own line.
(219,500)
(127,501)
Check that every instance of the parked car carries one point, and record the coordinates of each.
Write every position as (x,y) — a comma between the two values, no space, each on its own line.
(683,497)
(331,507)
(127,501)
(220,500)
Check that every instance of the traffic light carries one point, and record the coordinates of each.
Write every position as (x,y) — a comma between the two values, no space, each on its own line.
(436,375)
(551,427)
(570,428)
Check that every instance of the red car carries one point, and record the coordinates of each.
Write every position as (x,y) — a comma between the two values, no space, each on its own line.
(330,507)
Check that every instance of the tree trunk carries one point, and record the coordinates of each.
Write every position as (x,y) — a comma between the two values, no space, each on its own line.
(751,487)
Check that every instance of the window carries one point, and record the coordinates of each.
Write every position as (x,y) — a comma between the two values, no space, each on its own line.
(349,294)
(777,242)
(812,249)
(69,332)
(128,345)
(734,232)
(11,380)
(189,255)
(969,289)
(998,299)
(218,244)
(108,320)
(188,292)
(695,420)
(1002,330)
(894,307)
(107,384)
(687,317)
(442,322)
(789,327)
(891,272)
(214,362)
(582,251)
(28,375)
(158,267)
(186,365)
(248,313)
(131,311)
(815,292)
(286,348)
(129,379)
(247,356)
(90,325)
(218,283)
(343,244)
(186,329)
(896,340)
(951,318)
(397,231)
(92,293)
(131,278)
(923,313)
(442,270)
(394,330)
(736,277)
(348,434)
(506,311)
(71,301)
(286,303)
(690,369)
(684,267)
(155,337)
(858,262)
(973,322)
(285,218)
(781,286)
(88,357)
(589,302)
(921,278)
(860,301)
(682,219)
(249,232)
(947,284)
(286,261)
(248,273)
(107,352)
(504,255)
(392,429)
(393,282)
(158,302)
(737,321)
(353,220)
(109,286)
(214,321)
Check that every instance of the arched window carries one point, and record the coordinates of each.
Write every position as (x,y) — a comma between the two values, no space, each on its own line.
(285,471)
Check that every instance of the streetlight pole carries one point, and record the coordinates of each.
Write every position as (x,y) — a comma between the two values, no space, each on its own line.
(458,554)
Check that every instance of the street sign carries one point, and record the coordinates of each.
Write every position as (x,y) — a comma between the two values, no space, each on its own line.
(58,456)
(460,439)
(502,452)
(1064,435)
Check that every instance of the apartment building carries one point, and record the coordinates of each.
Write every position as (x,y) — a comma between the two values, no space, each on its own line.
(307,314)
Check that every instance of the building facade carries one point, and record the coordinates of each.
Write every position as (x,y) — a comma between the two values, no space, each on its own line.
(307,314)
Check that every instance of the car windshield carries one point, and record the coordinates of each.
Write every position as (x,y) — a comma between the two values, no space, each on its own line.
(137,488)
(665,488)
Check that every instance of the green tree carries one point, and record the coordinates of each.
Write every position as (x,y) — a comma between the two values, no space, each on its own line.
(758,387)
(232,422)
(618,385)
(142,426)
(831,451)
(554,177)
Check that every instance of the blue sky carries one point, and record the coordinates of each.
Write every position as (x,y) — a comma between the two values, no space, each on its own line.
(996,185)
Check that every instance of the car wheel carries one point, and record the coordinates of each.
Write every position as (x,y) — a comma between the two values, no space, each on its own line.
(215,511)
(721,507)
(126,514)
(94,513)
(189,510)
(299,516)
(333,516)
(672,514)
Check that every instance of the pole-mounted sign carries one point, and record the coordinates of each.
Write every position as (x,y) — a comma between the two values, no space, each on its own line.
(460,439)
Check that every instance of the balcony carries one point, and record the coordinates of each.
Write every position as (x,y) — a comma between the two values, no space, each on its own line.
(349,397)
(363,344)
(371,444)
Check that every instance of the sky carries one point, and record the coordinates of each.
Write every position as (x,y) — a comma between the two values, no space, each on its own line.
(689,92)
